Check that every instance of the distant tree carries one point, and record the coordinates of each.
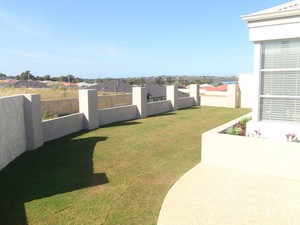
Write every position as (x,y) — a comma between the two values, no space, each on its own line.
(77,80)
(47,77)
(2,76)
(169,80)
(158,80)
(63,79)
(39,78)
(25,76)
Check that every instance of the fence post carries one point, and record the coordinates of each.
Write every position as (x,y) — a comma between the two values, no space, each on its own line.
(88,105)
(139,98)
(194,92)
(33,121)
(172,95)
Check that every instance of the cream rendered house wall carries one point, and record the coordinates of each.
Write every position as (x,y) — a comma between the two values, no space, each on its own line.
(278,23)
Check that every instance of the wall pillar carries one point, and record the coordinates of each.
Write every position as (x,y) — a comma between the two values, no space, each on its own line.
(194,92)
(88,105)
(139,98)
(33,121)
(172,95)
(232,95)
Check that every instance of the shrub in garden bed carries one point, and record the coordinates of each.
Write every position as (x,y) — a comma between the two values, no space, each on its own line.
(239,128)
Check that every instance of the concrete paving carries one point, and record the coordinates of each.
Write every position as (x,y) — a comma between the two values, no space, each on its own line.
(212,195)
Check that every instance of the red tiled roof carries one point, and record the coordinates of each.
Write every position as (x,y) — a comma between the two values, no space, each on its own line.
(218,88)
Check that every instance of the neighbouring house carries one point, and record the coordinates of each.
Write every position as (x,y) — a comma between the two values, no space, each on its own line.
(155,92)
(23,84)
(275,33)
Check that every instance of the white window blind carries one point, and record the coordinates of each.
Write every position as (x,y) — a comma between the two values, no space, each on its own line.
(280,81)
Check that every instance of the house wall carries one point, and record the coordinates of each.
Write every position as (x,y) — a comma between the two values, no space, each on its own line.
(275,28)
(271,157)
(116,114)
(12,129)
(246,84)
(278,28)
(154,108)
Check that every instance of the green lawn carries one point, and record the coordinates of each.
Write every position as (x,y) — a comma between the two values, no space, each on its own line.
(117,174)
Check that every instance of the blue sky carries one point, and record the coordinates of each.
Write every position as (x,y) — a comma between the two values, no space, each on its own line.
(122,38)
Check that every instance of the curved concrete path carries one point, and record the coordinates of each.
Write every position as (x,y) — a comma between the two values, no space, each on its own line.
(215,195)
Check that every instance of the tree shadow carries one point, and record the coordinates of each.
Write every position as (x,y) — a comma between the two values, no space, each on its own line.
(60,166)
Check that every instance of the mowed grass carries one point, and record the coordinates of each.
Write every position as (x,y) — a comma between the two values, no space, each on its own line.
(117,174)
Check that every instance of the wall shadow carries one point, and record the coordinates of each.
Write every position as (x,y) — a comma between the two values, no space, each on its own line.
(122,123)
(58,167)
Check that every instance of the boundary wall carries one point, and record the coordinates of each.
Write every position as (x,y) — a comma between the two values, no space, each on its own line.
(71,105)
(229,99)
(22,128)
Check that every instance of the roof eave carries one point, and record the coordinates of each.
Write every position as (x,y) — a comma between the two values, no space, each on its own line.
(273,15)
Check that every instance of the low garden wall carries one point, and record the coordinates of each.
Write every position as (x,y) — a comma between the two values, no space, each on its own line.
(154,108)
(12,129)
(116,114)
(22,128)
(271,157)
(71,105)
(185,102)
(229,99)
(59,127)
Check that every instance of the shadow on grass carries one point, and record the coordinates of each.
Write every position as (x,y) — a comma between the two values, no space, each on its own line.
(172,113)
(59,166)
(122,123)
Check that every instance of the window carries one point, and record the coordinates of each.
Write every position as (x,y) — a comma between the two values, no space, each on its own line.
(280,81)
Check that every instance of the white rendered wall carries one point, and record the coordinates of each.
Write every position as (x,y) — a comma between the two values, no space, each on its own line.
(12,129)
(116,114)
(274,30)
(271,157)
(185,102)
(158,107)
(62,126)
(246,85)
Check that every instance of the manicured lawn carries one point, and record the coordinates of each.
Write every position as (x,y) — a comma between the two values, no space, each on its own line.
(117,174)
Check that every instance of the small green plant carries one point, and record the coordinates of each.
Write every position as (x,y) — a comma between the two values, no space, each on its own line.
(244,121)
(234,130)
(239,128)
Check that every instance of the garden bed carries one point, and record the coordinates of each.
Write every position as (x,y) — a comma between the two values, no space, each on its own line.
(271,157)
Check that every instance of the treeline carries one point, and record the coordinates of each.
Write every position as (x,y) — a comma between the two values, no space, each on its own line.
(180,81)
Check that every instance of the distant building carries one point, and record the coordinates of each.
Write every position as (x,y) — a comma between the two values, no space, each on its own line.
(155,92)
